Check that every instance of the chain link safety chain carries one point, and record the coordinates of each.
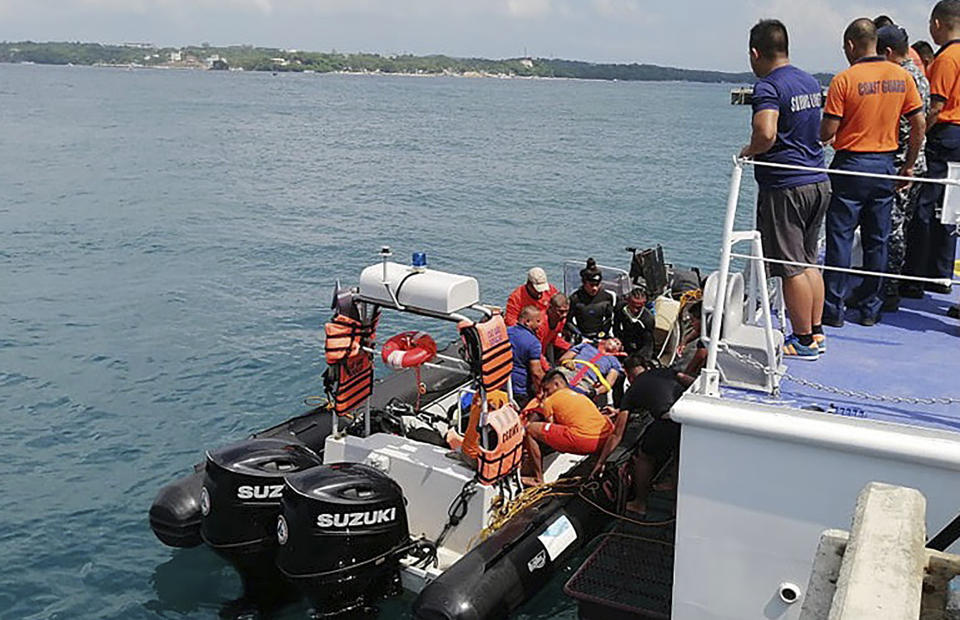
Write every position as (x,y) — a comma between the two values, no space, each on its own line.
(909,400)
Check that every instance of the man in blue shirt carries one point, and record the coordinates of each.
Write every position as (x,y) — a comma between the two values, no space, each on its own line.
(527,371)
(790,203)
(594,370)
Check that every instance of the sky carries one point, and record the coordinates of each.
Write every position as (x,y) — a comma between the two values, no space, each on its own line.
(697,34)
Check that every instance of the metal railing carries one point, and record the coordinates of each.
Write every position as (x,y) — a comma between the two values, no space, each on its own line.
(710,381)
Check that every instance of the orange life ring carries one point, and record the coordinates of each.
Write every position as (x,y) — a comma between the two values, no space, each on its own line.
(408,349)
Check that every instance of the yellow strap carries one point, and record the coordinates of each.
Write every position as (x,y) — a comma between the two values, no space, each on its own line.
(596,371)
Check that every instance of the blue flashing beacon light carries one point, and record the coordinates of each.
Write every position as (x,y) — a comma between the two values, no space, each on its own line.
(419,260)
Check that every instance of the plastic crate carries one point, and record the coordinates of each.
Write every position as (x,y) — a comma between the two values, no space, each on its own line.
(626,577)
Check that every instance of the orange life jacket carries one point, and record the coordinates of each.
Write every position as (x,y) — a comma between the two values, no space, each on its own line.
(503,457)
(345,336)
(489,350)
(353,383)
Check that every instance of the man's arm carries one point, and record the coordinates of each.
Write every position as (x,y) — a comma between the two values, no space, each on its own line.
(619,424)
(513,309)
(933,114)
(611,378)
(828,128)
(917,129)
(536,372)
(618,322)
(764,133)
(569,355)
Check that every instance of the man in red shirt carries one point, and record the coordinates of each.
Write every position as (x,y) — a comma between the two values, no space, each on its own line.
(536,292)
(862,116)
(552,344)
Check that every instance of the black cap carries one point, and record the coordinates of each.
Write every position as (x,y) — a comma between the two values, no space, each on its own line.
(891,36)
(591,273)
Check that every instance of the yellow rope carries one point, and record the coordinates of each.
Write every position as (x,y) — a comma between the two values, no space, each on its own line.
(504,511)
(592,367)
(689,297)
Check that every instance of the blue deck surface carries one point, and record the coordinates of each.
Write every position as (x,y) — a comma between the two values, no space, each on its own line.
(914,352)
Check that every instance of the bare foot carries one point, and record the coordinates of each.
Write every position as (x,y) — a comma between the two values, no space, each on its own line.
(530,481)
(666,485)
(637,508)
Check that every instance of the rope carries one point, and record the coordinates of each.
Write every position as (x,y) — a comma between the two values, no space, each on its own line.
(821,387)
(458,509)
(401,549)
(503,511)
(622,517)
(852,173)
(859,272)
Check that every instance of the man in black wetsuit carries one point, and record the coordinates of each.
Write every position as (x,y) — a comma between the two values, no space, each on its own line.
(633,324)
(591,308)
(652,390)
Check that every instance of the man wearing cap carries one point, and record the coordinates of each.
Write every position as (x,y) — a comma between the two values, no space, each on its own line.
(862,117)
(591,307)
(535,292)
(892,42)
(790,203)
(930,247)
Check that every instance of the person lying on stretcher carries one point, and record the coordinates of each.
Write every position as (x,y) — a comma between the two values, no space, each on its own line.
(593,369)
(570,423)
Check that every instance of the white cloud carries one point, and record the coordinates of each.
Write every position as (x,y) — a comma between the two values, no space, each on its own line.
(816,26)
(616,8)
(528,8)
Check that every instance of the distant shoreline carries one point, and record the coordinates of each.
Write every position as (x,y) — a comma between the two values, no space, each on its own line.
(249,58)
(476,76)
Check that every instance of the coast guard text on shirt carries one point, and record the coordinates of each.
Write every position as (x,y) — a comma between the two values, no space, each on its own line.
(805,101)
(881,86)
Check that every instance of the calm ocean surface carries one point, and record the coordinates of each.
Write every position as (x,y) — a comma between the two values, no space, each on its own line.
(169,240)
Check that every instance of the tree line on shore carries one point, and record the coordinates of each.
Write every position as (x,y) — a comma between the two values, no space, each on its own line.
(252,58)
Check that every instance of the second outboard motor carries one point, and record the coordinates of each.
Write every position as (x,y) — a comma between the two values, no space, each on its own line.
(342,533)
(240,502)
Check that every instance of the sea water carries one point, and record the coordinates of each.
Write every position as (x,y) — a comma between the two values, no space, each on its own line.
(168,245)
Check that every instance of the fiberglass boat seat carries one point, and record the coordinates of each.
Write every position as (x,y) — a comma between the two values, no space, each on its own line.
(740,335)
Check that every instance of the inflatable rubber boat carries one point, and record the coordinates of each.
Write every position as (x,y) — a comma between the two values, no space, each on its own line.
(361,496)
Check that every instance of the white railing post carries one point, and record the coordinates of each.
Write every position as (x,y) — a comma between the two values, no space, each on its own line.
(760,268)
(711,377)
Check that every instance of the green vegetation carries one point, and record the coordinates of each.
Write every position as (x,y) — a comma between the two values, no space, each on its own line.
(269,59)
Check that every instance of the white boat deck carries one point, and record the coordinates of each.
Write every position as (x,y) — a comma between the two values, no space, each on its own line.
(913,353)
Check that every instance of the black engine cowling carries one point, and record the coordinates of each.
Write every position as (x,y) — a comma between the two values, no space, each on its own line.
(240,502)
(175,514)
(342,531)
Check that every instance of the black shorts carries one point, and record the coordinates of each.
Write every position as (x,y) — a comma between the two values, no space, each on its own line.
(789,222)
(661,438)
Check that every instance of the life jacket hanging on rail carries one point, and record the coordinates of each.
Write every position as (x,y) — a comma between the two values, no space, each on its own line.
(346,336)
(505,432)
(349,383)
(488,351)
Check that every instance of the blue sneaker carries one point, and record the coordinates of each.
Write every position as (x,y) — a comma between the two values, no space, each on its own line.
(820,341)
(793,349)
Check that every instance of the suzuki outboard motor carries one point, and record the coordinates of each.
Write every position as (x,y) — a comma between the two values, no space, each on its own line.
(175,514)
(240,502)
(342,533)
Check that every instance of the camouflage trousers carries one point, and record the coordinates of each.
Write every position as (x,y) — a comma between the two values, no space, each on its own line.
(904,204)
